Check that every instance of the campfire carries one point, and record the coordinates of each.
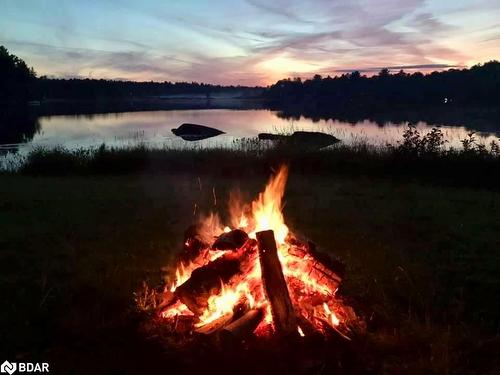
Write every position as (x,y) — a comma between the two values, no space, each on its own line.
(254,278)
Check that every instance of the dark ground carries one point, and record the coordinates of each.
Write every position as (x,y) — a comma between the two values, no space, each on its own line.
(422,265)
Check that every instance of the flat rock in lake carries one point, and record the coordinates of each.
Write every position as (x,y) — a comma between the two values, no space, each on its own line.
(303,139)
(272,137)
(194,132)
(315,139)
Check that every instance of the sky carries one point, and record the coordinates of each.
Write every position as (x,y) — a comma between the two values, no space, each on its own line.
(247,42)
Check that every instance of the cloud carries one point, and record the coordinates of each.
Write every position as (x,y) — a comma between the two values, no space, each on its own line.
(280,8)
(418,67)
(300,43)
(87,62)
(427,23)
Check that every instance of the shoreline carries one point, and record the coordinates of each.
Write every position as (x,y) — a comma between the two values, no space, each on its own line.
(473,166)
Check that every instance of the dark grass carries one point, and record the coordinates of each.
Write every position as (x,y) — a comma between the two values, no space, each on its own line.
(422,264)
(422,157)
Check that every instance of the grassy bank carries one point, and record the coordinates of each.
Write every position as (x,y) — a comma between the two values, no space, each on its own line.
(422,261)
(423,157)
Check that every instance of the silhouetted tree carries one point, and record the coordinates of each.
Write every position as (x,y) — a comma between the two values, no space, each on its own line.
(355,76)
(384,73)
(16,78)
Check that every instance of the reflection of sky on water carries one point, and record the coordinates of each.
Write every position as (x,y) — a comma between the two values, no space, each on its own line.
(154,128)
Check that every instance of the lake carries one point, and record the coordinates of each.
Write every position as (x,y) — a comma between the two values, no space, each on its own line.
(154,128)
(21,131)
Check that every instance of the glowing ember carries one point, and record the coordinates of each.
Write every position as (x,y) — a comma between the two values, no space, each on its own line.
(331,315)
(177,309)
(301,333)
(311,285)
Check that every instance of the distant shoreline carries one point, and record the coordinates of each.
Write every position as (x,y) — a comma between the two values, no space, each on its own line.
(143,100)
(54,107)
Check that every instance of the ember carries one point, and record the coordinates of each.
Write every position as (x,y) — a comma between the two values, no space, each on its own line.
(255,278)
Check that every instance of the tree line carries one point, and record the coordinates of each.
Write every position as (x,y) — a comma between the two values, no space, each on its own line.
(478,85)
(96,89)
(19,83)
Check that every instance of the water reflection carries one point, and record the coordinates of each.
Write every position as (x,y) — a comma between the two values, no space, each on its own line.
(17,126)
(482,119)
(20,129)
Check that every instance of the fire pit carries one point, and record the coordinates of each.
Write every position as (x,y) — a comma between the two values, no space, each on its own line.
(252,279)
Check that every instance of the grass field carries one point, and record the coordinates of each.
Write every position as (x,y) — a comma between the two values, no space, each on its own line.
(422,264)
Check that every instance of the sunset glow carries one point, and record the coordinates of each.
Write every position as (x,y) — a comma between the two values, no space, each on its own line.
(247,42)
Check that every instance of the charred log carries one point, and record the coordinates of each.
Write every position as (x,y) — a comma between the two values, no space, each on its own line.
(325,270)
(231,240)
(215,325)
(241,308)
(275,286)
(206,281)
(242,327)
(332,263)
(167,298)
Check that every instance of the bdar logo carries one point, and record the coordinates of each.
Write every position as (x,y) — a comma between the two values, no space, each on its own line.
(22,367)
(8,367)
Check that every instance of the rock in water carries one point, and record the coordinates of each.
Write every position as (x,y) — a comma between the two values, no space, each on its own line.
(194,132)
(272,137)
(313,139)
(302,139)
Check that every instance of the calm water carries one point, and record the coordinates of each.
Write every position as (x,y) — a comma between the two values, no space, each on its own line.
(154,128)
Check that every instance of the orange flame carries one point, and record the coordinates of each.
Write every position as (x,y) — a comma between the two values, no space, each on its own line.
(182,274)
(219,305)
(267,208)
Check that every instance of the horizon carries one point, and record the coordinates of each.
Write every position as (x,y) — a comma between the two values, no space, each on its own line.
(248,42)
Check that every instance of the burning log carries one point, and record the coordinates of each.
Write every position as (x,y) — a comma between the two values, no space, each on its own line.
(231,240)
(242,327)
(275,286)
(323,269)
(215,325)
(331,263)
(206,280)
(167,298)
